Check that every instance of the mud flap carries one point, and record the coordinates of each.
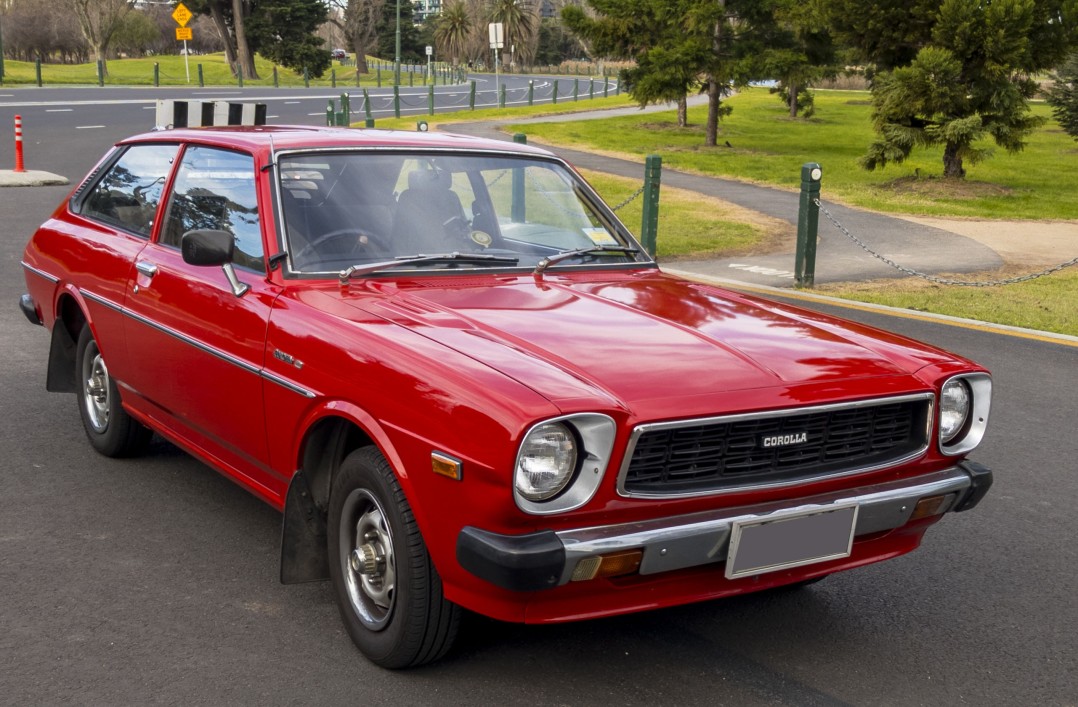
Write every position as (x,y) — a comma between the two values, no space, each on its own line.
(303,536)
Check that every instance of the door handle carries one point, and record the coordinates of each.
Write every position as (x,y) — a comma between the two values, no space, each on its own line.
(146,268)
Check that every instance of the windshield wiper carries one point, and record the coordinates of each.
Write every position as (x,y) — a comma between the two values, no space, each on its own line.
(594,250)
(347,275)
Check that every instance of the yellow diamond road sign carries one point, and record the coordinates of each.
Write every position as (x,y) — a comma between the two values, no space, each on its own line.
(182,15)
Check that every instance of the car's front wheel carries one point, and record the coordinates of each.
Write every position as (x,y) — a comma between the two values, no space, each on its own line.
(109,428)
(388,592)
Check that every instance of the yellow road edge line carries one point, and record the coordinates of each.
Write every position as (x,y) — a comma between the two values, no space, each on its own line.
(988,327)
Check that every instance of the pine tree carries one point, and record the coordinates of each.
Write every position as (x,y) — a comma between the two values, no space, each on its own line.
(1063,96)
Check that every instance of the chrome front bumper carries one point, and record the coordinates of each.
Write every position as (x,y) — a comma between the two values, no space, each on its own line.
(548,558)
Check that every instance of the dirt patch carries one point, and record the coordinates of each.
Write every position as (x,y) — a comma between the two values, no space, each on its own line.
(1019,243)
(941,187)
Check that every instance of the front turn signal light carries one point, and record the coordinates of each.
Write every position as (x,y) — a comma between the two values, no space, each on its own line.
(615,564)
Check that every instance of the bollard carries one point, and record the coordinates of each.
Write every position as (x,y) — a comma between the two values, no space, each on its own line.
(531,93)
(368,118)
(333,78)
(591,88)
(649,219)
(330,111)
(201,82)
(808,221)
(276,83)
(555,94)
(378,69)
(306,78)
(430,100)
(519,210)
(37,73)
(19,166)
(100,72)
(576,89)
(606,84)
(471,97)
(411,79)
(156,74)
(501,96)
(396,101)
(239,75)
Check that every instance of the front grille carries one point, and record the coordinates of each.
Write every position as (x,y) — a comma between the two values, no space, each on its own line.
(769,449)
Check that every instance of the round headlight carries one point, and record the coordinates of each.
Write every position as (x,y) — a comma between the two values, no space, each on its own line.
(954,409)
(546,462)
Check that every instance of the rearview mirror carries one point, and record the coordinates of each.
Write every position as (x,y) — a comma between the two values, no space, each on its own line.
(207,247)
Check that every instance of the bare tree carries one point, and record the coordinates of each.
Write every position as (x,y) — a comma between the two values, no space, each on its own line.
(98,20)
(358,20)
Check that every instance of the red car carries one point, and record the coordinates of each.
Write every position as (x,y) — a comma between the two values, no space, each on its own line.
(467,387)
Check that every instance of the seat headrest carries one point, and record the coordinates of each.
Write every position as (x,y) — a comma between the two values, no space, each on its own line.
(429,179)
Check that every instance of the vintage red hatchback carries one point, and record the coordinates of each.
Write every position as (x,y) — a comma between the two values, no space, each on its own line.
(467,387)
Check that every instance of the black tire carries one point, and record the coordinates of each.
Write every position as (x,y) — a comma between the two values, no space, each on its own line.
(387,589)
(109,428)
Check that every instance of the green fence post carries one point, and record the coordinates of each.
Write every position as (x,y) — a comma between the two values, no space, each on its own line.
(471,97)
(555,94)
(396,101)
(531,93)
(100,72)
(591,88)
(156,74)
(808,221)
(368,118)
(201,81)
(501,96)
(239,76)
(649,221)
(37,73)
(606,84)
(378,68)
(576,89)
(330,110)
(333,78)
(276,80)
(306,78)
(430,100)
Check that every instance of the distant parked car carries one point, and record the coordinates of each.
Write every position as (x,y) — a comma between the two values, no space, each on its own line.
(467,386)
(339,54)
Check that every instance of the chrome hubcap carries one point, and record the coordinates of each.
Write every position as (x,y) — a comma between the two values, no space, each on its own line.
(96,390)
(367,559)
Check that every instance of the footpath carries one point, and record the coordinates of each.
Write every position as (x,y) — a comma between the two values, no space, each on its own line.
(927,245)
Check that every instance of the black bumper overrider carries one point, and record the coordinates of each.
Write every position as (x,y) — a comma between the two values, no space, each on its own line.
(547,558)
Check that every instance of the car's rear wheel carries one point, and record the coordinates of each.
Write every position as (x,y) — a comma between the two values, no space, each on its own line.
(109,428)
(388,592)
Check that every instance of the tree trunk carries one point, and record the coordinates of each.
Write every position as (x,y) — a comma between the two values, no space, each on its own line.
(714,90)
(361,56)
(682,112)
(245,61)
(226,37)
(952,162)
(792,88)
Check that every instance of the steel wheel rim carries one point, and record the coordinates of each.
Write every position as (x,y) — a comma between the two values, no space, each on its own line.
(367,560)
(95,376)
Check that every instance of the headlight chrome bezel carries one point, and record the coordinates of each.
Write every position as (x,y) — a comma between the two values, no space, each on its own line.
(594,435)
(971,432)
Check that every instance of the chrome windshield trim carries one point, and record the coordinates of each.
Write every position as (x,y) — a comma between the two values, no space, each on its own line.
(690,540)
(40,273)
(639,430)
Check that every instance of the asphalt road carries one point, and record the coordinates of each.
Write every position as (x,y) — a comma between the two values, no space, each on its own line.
(155,580)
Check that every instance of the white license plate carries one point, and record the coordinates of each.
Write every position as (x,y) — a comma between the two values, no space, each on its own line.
(790,540)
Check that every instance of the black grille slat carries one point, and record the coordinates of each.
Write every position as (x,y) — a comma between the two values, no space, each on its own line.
(720,455)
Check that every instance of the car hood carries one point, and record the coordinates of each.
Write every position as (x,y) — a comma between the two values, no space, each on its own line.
(646,337)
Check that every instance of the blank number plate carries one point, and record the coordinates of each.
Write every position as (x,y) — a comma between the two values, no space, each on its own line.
(790,540)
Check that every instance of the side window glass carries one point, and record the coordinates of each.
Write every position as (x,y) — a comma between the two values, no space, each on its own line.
(128,194)
(215,189)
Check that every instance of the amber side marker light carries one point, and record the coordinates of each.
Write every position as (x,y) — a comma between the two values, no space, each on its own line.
(931,506)
(445,465)
(615,564)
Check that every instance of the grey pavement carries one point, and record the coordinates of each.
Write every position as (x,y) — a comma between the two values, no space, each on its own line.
(922,248)
(30,178)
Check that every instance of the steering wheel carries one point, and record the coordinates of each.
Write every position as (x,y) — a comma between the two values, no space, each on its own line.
(350,238)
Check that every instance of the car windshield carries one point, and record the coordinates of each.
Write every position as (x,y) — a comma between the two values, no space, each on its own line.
(350,209)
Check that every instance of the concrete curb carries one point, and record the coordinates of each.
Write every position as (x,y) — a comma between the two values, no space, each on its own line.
(30,178)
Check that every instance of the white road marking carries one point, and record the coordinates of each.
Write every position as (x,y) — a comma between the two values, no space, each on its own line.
(59,110)
(88,127)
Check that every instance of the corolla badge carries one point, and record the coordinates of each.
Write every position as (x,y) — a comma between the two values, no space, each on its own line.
(783,440)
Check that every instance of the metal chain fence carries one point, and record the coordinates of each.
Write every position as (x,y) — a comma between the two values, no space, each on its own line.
(632,196)
(933,278)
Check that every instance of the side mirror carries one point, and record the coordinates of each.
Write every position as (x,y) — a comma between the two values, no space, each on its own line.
(213,247)
(208,247)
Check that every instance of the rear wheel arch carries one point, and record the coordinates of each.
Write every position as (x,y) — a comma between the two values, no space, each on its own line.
(66,328)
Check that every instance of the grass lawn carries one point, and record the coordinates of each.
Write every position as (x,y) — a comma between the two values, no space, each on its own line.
(172,72)
(1046,304)
(767,146)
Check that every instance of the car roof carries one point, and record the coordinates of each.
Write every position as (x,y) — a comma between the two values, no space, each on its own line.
(260,138)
